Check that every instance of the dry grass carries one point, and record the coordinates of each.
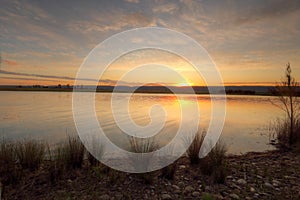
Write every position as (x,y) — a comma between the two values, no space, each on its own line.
(214,164)
(168,172)
(98,149)
(8,168)
(141,160)
(57,165)
(142,145)
(68,155)
(194,149)
(73,151)
(30,153)
(280,131)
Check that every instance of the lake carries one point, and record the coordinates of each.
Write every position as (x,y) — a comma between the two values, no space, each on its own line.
(48,116)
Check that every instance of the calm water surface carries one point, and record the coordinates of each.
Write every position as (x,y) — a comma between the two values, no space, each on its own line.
(48,116)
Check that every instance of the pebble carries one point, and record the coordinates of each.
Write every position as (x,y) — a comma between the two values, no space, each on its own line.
(234,196)
(104,197)
(266,194)
(119,196)
(166,196)
(252,189)
(176,187)
(182,166)
(275,183)
(268,185)
(177,191)
(188,189)
(242,181)
(236,186)
(207,188)
(196,194)
(258,176)
(218,197)
(181,184)
(236,191)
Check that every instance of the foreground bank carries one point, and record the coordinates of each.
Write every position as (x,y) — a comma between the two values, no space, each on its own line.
(269,175)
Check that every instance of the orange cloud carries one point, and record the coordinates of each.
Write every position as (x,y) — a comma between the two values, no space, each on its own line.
(10,62)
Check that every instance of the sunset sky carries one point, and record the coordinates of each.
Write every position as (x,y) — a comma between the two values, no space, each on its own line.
(45,42)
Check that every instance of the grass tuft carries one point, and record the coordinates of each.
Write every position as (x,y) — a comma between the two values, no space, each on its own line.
(98,149)
(141,161)
(8,168)
(57,164)
(280,131)
(30,153)
(194,149)
(74,152)
(214,164)
(168,172)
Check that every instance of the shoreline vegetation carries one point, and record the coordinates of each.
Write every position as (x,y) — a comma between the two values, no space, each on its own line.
(230,90)
(29,169)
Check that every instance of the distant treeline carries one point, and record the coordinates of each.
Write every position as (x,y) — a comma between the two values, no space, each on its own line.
(242,92)
(230,90)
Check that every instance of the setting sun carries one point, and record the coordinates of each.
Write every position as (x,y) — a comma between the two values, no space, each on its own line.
(184,84)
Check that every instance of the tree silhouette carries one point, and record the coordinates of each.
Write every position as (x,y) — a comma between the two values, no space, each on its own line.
(286,91)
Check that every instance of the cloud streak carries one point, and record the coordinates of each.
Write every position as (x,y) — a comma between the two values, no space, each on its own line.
(62,78)
(44,76)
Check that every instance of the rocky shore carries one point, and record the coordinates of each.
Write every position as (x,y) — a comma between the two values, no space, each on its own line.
(268,175)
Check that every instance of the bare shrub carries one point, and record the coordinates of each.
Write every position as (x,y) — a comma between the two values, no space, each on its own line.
(286,131)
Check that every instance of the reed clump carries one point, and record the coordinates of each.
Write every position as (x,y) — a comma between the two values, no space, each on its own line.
(57,164)
(9,172)
(30,153)
(73,151)
(98,149)
(215,164)
(194,148)
(141,160)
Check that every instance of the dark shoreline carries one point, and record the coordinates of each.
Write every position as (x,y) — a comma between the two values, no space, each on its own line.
(264,175)
(199,90)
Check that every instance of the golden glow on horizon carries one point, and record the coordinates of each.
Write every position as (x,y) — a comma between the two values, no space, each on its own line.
(185,84)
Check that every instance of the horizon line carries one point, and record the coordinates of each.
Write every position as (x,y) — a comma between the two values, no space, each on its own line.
(154,85)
